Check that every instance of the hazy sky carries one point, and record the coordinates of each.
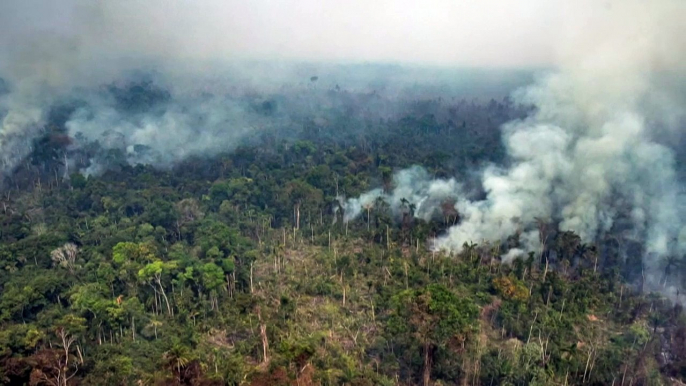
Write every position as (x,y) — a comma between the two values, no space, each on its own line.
(490,33)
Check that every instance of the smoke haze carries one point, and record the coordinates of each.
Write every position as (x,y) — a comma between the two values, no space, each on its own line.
(69,51)
(596,155)
(489,33)
(591,153)
(414,193)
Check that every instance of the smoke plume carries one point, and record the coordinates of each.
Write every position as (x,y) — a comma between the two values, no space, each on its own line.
(592,157)
(598,153)
(214,60)
(414,192)
(159,81)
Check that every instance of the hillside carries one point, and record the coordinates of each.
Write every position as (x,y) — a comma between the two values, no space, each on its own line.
(237,270)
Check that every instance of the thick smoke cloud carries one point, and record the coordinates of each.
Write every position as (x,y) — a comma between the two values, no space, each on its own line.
(211,56)
(595,156)
(591,155)
(414,192)
(598,153)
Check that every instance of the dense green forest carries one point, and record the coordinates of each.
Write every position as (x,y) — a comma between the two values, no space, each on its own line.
(234,269)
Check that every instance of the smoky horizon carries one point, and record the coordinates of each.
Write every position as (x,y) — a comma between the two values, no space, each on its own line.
(583,98)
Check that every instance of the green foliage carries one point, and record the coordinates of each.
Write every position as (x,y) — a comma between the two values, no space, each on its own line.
(510,288)
(191,275)
(433,314)
(125,252)
(155,269)
(91,299)
(212,276)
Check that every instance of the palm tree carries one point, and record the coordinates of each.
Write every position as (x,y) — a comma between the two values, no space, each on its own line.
(404,209)
(177,357)
(670,262)
(588,252)
(154,323)
(470,247)
(404,203)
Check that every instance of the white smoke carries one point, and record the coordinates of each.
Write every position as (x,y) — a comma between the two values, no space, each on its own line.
(414,191)
(184,127)
(211,104)
(590,155)
(353,207)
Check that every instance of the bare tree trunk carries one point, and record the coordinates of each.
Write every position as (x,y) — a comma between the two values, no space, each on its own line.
(426,376)
(368,218)
(251,265)
(166,301)
(545,271)
(531,328)
(78,351)
(588,361)
(233,282)
(595,263)
(343,285)
(66,166)
(297,216)
(621,293)
(62,377)
(263,336)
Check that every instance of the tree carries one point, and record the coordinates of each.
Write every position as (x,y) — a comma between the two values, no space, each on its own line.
(432,317)
(127,251)
(129,258)
(65,256)
(177,357)
(386,176)
(52,367)
(161,213)
(229,267)
(302,194)
(670,263)
(189,211)
(237,191)
(152,273)
(55,367)
(212,233)
(90,299)
(212,280)
(510,288)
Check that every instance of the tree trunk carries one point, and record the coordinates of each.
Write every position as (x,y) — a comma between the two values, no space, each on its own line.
(263,336)
(426,376)
(78,351)
(166,301)
(297,216)
(595,263)
(368,217)
(251,264)
(343,285)
(545,271)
